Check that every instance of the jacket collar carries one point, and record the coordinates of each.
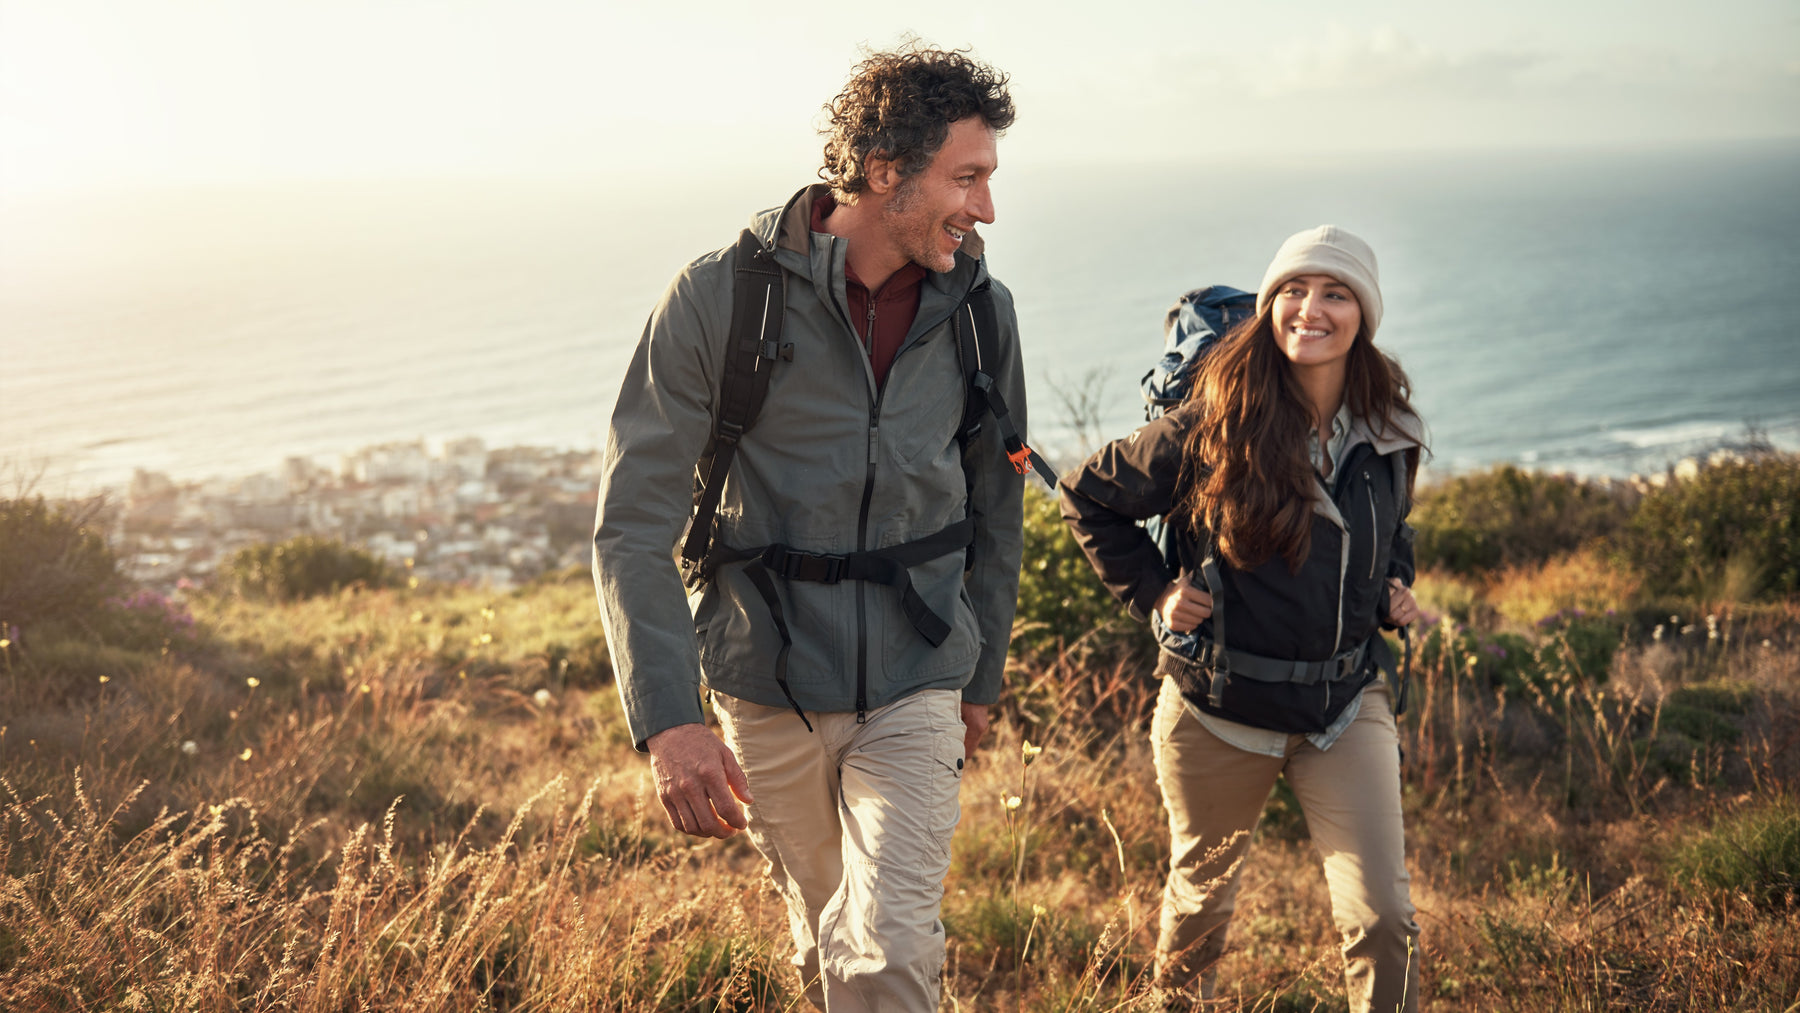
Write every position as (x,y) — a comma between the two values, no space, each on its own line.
(1407,431)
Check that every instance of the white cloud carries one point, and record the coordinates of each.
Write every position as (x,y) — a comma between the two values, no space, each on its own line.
(1386,61)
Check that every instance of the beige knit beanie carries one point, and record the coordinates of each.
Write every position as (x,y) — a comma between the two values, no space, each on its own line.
(1328,250)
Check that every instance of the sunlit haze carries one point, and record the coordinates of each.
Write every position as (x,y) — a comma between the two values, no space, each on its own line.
(182,91)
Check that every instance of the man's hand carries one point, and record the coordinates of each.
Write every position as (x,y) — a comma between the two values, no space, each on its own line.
(975,726)
(698,781)
(1402,609)
(1183,606)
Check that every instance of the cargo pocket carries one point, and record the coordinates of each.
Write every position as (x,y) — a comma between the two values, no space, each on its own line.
(947,754)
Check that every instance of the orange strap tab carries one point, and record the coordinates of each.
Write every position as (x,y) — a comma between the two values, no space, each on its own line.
(1021,459)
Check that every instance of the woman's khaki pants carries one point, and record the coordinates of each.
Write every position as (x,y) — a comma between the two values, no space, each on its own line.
(1214,793)
(855,821)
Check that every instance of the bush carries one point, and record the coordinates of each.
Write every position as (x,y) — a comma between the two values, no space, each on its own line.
(1755,852)
(1061,599)
(1732,532)
(1581,645)
(1509,517)
(53,564)
(303,567)
(1501,660)
(1582,580)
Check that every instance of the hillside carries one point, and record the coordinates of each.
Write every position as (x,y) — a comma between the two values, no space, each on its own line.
(280,793)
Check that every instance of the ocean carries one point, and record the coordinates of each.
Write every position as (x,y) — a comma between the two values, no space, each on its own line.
(1595,313)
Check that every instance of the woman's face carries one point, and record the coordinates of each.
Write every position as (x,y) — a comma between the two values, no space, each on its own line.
(1315,318)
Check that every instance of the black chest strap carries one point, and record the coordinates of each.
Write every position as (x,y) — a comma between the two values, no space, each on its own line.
(890,566)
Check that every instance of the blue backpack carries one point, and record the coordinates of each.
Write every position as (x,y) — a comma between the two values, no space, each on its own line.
(1191,328)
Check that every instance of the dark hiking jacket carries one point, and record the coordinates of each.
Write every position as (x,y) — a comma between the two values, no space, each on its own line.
(835,463)
(1333,605)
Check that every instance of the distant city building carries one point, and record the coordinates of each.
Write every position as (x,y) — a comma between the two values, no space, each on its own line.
(464,514)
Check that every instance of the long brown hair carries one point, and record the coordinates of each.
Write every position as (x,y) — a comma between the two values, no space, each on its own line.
(1251,483)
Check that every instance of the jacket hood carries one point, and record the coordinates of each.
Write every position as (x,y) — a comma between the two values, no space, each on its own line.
(789,227)
(1407,430)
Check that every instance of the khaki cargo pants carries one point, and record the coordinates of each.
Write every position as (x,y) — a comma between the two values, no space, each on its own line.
(855,821)
(1351,797)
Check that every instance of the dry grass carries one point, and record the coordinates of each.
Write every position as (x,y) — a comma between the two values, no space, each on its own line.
(445,838)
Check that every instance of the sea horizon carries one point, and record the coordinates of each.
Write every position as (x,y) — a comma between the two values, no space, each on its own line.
(1599,313)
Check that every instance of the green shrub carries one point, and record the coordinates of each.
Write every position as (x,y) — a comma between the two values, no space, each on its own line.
(1732,532)
(53,564)
(1504,660)
(1755,852)
(1718,697)
(1581,644)
(1508,517)
(1061,599)
(302,567)
(1695,723)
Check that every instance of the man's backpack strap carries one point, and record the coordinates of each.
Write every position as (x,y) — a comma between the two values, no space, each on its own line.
(758,298)
(977,328)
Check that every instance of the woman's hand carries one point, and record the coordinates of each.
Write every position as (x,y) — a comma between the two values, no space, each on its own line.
(1183,606)
(1402,609)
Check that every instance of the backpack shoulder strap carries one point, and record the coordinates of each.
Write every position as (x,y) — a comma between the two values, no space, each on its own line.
(758,298)
(977,327)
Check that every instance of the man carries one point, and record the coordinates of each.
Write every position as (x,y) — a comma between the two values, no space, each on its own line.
(847,745)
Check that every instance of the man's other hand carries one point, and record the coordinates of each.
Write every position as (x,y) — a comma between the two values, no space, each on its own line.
(975,726)
(699,781)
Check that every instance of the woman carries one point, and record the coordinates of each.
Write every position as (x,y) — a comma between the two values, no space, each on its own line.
(1286,478)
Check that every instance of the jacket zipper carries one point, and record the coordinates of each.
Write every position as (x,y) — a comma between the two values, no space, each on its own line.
(862,515)
(862,587)
(1374,533)
(862,523)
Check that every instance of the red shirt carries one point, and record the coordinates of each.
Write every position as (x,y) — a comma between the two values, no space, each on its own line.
(881,318)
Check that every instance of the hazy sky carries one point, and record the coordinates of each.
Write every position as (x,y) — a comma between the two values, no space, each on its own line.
(136,91)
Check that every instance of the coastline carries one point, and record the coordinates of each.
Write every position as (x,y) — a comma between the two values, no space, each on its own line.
(458,511)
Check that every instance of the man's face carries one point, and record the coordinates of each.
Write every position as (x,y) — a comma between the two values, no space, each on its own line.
(928,214)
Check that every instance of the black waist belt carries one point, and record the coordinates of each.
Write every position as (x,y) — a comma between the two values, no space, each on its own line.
(890,566)
(1221,666)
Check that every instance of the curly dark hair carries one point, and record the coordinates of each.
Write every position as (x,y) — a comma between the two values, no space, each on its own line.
(899,106)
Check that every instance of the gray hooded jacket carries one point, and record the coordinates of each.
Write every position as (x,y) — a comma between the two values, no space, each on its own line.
(834,464)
